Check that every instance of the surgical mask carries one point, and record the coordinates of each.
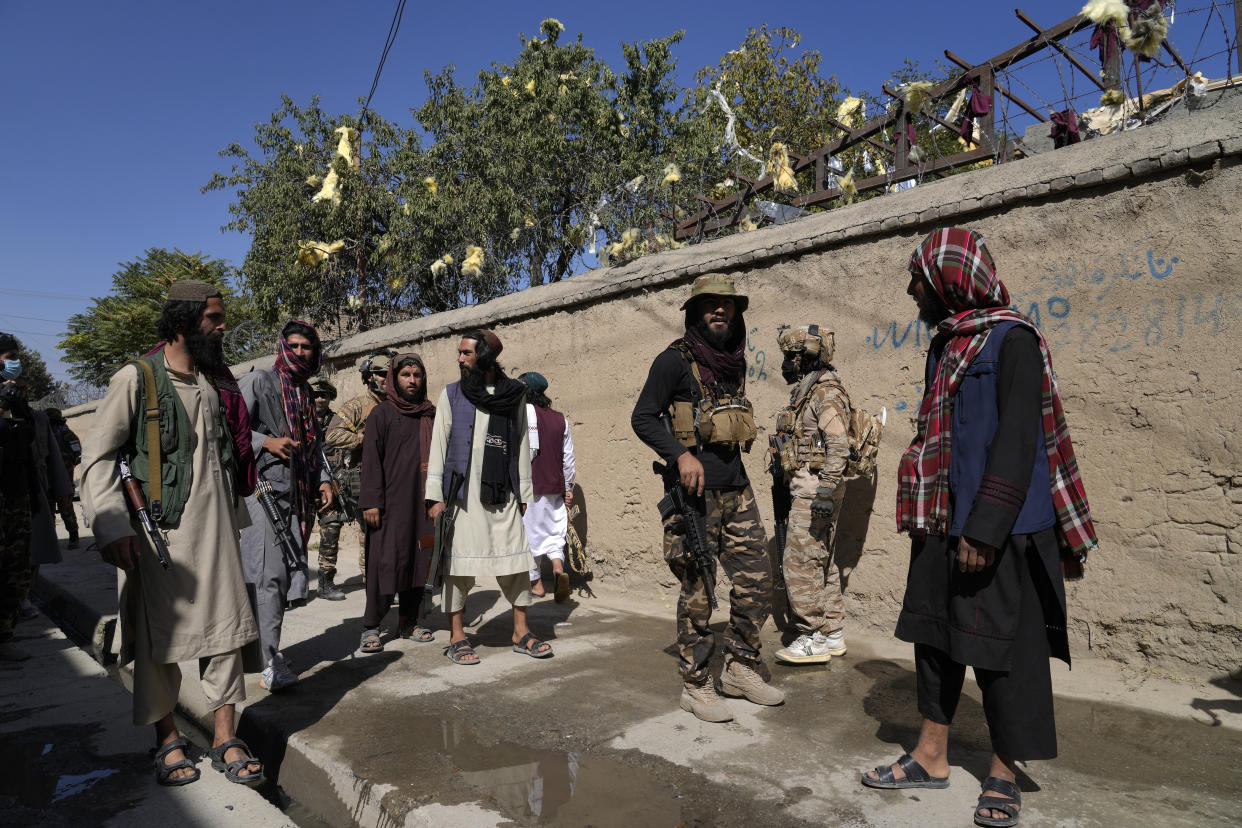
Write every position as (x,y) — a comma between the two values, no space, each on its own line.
(12,369)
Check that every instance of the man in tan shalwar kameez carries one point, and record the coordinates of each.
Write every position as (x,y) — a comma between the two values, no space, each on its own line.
(197,608)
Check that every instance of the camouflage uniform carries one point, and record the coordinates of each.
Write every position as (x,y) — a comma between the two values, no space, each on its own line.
(19,494)
(331,521)
(812,576)
(344,435)
(735,534)
(15,571)
(677,414)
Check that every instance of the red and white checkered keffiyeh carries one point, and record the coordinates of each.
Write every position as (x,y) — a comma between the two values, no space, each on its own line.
(299,406)
(959,268)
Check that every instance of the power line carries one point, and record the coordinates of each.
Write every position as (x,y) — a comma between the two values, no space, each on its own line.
(31,318)
(392,37)
(40,295)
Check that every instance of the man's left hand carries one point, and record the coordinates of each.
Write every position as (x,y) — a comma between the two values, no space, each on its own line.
(974,556)
(823,504)
(326,496)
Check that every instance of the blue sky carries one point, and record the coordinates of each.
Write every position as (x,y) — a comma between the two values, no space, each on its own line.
(115,111)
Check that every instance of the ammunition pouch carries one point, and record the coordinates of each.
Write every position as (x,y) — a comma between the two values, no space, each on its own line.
(727,420)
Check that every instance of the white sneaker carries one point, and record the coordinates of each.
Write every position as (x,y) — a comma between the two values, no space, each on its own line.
(834,642)
(277,675)
(807,649)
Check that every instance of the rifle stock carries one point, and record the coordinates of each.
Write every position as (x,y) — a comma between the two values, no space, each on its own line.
(138,505)
(443,543)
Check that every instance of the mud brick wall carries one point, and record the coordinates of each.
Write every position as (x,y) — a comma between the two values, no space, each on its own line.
(1128,252)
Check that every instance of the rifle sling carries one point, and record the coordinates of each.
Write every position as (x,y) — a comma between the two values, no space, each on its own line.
(151,417)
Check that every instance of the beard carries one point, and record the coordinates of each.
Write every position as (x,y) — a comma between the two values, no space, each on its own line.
(414,394)
(717,338)
(933,311)
(206,350)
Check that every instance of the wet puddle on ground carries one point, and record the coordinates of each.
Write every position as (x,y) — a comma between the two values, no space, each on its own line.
(546,786)
(27,774)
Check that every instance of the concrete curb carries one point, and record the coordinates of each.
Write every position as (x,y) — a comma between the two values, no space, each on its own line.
(94,631)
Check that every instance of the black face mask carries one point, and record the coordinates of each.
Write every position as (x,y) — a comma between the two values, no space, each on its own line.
(791,368)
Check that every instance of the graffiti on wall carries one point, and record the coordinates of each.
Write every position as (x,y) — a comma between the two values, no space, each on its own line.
(756,359)
(1094,320)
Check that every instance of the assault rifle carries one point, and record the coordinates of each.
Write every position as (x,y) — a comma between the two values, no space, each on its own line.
(138,503)
(677,501)
(266,496)
(443,546)
(348,505)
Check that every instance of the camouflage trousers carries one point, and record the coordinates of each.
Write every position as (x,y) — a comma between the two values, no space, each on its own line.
(351,487)
(330,524)
(70,518)
(15,572)
(736,538)
(812,576)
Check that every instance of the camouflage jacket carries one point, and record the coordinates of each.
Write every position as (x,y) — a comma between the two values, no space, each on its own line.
(346,430)
(825,417)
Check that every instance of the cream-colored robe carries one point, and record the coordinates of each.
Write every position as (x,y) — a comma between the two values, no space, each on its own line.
(487,540)
(198,607)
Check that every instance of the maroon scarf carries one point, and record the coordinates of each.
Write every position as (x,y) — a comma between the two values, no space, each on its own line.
(410,408)
(298,403)
(716,365)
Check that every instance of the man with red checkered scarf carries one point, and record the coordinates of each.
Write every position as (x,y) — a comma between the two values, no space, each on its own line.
(990,493)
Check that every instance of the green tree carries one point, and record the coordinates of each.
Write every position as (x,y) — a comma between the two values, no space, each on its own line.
(317,215)
(118,327)
(39,381)
(507,190)
(776,96)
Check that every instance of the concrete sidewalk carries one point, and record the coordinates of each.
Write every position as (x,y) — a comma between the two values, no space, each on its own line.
(594,735)
(72,758)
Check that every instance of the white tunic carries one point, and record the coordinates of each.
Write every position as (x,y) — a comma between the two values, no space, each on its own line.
(487,540)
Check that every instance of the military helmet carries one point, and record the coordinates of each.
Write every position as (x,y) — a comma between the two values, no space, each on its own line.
(322,385)
(376,362)
(717,284)
(814,340)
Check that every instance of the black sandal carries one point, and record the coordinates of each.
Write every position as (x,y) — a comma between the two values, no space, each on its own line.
(1010,806)
(916,776)
(458,650)
(163,772)
(529,645)
(232,770)
(370,642)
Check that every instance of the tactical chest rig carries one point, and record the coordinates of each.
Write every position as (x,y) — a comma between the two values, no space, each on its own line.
(793,448)
(720,419)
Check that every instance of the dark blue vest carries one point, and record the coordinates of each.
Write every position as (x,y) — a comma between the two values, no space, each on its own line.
(461,442)
(975,417)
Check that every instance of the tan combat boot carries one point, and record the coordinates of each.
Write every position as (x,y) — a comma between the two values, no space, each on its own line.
(704,702)
(740,679)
